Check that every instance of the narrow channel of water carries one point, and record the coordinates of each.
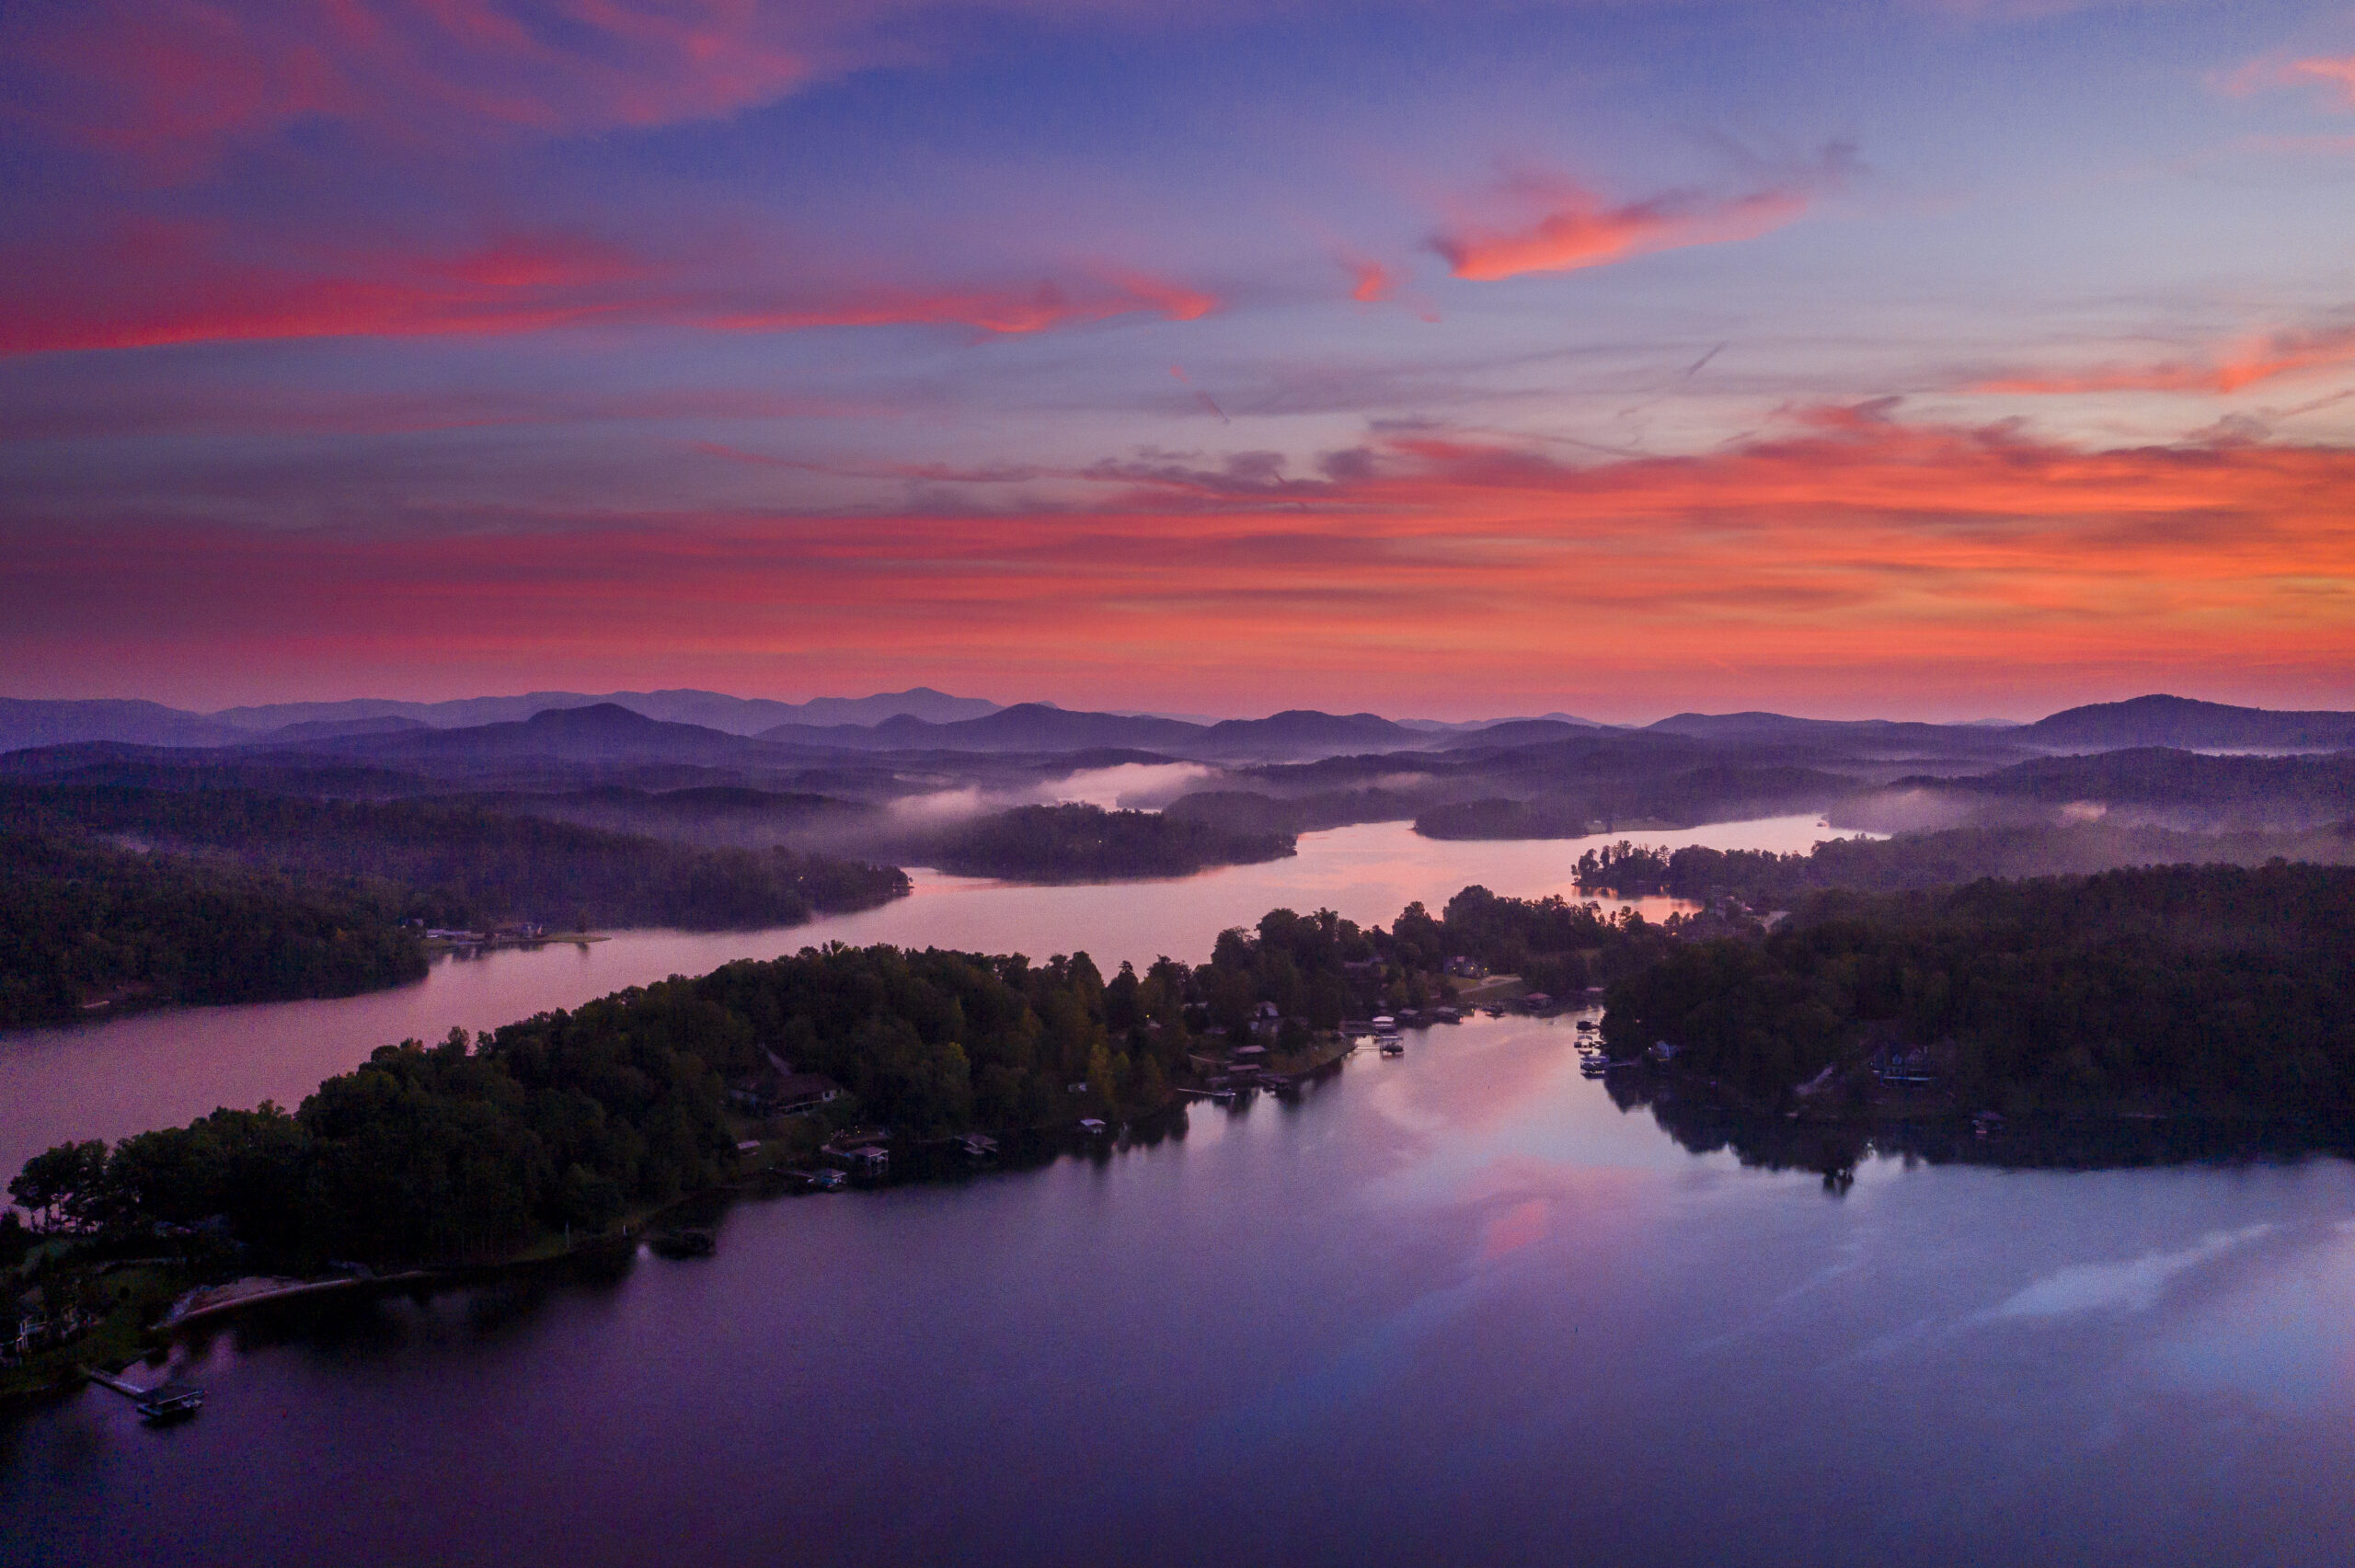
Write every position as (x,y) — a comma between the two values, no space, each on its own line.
(113,1079)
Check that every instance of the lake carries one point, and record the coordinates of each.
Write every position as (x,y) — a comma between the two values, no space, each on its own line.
(1459,1307)
(123,1076)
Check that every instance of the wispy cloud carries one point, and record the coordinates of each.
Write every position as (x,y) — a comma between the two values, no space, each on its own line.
(1370,281)
(155,283)
(1575,226)
(173,80)
(2336,74)
(2250,360)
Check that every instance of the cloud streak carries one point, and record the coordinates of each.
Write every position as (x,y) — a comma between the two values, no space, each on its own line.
(150,284)
(1575,227)
(2245,363)
(2335,73)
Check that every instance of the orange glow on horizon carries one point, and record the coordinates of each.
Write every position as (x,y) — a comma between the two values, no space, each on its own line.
(1848,554)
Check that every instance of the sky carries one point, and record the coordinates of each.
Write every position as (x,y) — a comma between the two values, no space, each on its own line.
(1945,358)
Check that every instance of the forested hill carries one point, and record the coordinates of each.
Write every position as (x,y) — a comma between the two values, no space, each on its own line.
(2210,990)
(88,928)
(470,865)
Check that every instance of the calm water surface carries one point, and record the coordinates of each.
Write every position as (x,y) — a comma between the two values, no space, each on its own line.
(1457,1308)
(114,1079)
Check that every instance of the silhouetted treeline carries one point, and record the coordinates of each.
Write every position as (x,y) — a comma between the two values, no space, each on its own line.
(86,926)
(2210,988)
(1943,859)
(468,865)
(1087,843)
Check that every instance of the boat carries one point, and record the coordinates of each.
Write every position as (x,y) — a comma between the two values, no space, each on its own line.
(169,1402)
(980,1144)
(1091,1125)
(1393,1047)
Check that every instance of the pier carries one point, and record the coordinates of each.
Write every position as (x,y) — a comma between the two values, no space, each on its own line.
(166,1402)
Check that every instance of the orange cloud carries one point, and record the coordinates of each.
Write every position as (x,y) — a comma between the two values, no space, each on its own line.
(1580,230)
(155,284)
(1848,554)
(2239,365)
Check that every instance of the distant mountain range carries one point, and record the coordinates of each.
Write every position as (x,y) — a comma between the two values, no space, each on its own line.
(707,729)
(26,723)
(713,710)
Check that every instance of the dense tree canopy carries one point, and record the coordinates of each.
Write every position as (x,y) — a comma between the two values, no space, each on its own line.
(86,925)
(2200,987)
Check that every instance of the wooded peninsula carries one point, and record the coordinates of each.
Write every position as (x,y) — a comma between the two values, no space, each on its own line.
(2192,990)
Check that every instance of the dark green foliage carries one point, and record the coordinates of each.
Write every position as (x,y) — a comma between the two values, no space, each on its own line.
(1558,946)
(1087,843)
(84,921)
(2203,987)
(464,863)
(469,1150)
(1943,859)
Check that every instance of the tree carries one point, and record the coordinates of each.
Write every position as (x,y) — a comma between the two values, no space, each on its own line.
(61,1185)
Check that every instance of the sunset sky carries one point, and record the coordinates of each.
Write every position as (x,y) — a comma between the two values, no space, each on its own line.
(1928,358)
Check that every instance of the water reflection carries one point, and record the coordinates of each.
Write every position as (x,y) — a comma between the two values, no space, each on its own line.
(117,1078)
(1704,1122)
(1462,1306)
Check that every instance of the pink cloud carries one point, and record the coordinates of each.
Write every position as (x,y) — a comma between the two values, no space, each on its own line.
(1583,231)
(1578,228)
(2335,73)
(171,79)
(156,283)
(2237,365)
(1370,281)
